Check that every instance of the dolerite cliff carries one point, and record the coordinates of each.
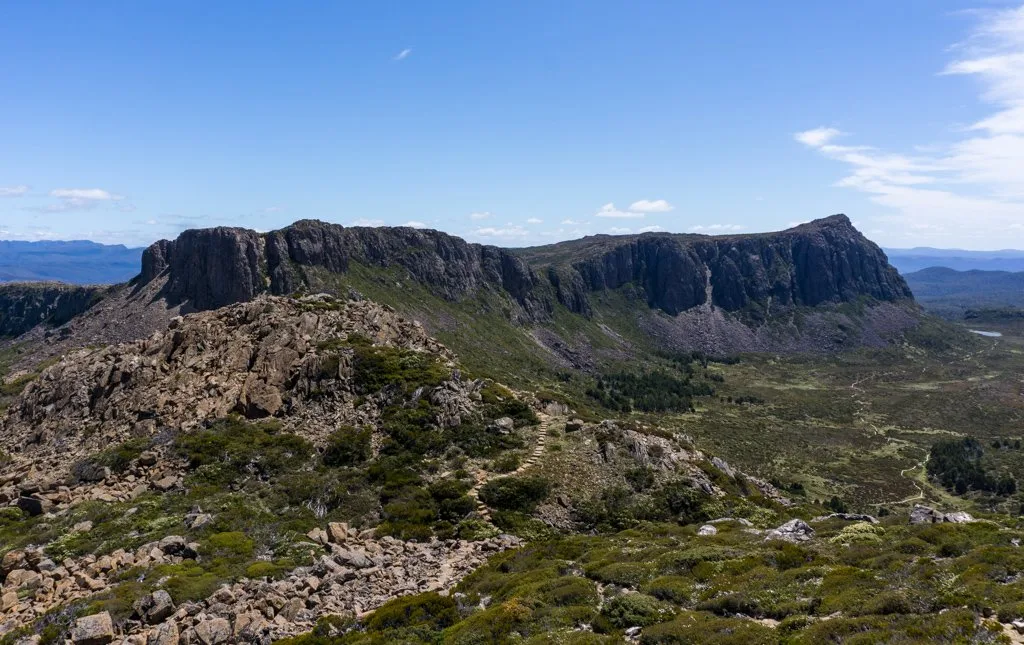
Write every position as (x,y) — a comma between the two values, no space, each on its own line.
(24,305)
(210,268)
(781,291)
(826,261)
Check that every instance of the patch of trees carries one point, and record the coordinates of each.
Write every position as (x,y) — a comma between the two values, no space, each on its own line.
(957,465)
(655,391)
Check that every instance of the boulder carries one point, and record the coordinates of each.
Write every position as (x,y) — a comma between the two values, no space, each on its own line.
(337,532)
(213,631)
(504,425)
(154,608)
(177,545)
(574,425)
(97,629)
(795,530)
(164,634)
(34,505)
(707,530)
(924,515)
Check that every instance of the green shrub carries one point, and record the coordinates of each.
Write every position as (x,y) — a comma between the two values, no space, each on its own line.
(116,459)
(348,446)
(675,589)
(430,610)
(375,368)
(699,629)
(515,493)
(634,609)
(231,449)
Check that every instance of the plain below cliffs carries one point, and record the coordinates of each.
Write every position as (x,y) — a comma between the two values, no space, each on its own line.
(822,262)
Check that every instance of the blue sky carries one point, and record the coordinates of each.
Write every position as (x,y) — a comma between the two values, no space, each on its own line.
(514,123)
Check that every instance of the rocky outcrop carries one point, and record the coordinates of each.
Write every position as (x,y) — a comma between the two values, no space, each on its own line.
(215,267)
(26,305)
(271,357)
(826,261)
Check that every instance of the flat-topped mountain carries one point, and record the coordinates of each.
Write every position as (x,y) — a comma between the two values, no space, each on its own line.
(826,261)
(573,303)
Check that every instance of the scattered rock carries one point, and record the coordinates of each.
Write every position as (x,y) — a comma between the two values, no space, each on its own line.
(97,629)
(34,505)
(927,515)
(795,530)
(213,631)
(706,530)
(504,425)
(155,607)
(574,425)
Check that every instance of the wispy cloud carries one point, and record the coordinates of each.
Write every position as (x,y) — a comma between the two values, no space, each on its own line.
(966,193)
(508,232)
(609,210)
(13,191)
(649,229)
(619,230)
(363,221)
(76,199)
(415,224)
(817,136)
(479,215)
(534,220)
(402,55)
(651,206)
(717,228)
(85,194)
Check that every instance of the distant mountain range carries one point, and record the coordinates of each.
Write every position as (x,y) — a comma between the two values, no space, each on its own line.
(950,293)
(75,262)
(915,259)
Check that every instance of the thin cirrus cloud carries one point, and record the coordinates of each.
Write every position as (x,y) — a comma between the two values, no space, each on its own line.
(969,192)
(415,224)
(479,215)
(402,55)
(534,220)
(14,191)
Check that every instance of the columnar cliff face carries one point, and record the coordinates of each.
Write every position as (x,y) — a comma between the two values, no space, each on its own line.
(25,305)
(214,267)
(826,261)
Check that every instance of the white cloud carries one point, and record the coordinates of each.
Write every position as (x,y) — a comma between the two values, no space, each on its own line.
(718,228)
(74,199)
(479,215)
(85,194)
(13,191)
(362,221)
(571,222)
(817,137)
(970,192)
(402,55)
(509,231)
(609,210)
(649,206)
(649,229)
(534,220)
(618,230)
(414,224)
